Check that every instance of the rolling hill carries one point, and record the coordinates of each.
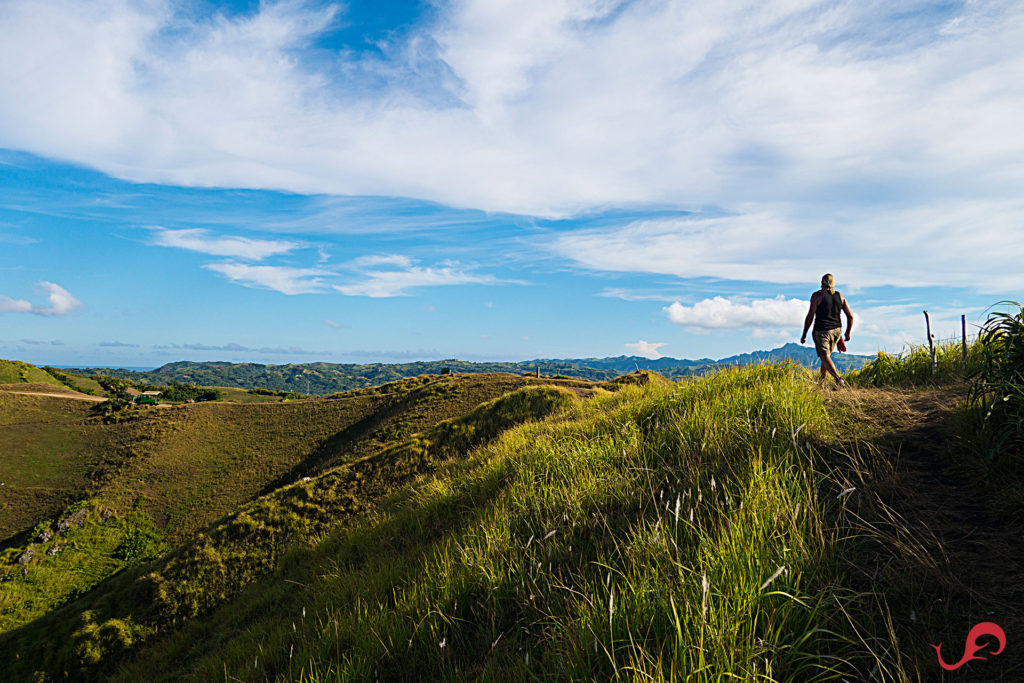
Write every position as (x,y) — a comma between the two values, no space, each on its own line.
(326,378)
(15,372)
(166,472)
(497,526)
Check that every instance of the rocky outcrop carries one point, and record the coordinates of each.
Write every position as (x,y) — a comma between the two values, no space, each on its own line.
(76,518)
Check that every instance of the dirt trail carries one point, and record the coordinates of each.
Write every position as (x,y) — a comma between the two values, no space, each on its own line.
(72,395)
(980,557)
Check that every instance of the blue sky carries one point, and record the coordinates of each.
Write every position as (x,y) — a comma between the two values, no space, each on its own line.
(366,181)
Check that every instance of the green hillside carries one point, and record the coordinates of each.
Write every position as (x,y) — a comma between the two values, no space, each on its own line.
(170,471)
(16,372)
(46,456)
(640,529)
(742,525)
(326,378)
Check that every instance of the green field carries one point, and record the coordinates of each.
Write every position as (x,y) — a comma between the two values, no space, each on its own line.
(46,456)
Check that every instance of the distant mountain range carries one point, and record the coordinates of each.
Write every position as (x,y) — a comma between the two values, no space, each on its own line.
(328,378)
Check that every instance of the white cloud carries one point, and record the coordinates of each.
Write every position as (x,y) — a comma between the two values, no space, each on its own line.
(538,106)
(646,349)
(876,140)
(632,295)
(195,239)
(389,283)
(894,327)
(9,305)
(719,313)
(371,276)
(381,260)
(279,278)
(975,244)
(61,302)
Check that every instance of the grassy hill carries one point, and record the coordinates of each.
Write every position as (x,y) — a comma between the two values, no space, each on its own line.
(162,473)
(15,372)
(744,525)
(650,531)
(46,455)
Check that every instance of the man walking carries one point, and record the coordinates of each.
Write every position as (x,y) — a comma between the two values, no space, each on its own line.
(826,305)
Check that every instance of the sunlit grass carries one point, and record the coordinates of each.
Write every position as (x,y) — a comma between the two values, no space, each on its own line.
(671,532)
(913,367)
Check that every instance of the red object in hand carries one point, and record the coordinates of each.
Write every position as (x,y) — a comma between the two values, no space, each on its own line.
(841,346)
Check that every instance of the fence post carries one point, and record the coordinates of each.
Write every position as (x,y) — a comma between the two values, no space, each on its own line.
(963,338)
(931,340)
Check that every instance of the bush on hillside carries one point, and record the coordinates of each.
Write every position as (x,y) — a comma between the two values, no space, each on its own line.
(140,543)
(115,386)
(188,392)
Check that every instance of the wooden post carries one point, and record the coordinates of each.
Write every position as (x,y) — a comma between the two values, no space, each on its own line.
(931,340)
(963,340)
(538,371)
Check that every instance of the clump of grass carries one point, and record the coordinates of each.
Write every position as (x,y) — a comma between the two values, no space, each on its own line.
(999,385)
(913,367)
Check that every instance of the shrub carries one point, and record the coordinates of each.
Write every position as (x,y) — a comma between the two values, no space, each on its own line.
(176,391)
(140,543)
(998,388)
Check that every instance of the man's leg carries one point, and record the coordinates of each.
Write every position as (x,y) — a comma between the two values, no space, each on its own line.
(828,366)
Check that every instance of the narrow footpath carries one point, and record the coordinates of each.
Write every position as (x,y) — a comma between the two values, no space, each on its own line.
(961,564)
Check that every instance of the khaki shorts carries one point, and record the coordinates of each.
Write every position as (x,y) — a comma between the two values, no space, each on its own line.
(825,340)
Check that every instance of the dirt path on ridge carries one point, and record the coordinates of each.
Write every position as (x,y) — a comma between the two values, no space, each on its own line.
(73,396)
(980,557)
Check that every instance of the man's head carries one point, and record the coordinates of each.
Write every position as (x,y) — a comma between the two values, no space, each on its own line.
(828,283)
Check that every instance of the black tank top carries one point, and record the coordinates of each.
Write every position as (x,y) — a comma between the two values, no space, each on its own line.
(826,315)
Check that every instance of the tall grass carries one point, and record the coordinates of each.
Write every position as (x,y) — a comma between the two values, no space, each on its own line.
(913,367)
(999,386)
(671,532)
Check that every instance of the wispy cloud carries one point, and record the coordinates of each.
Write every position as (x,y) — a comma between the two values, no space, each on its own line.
(17,239)
(119,345)
(374,260)
(284,279)
(61,302)
(201,241)
(720,313)
(635,295)
(646,349)
(418,354)
(378,282)
(788,244)
(231,346)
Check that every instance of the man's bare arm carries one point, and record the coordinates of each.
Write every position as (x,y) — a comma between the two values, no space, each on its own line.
(849,318)
(810,316)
